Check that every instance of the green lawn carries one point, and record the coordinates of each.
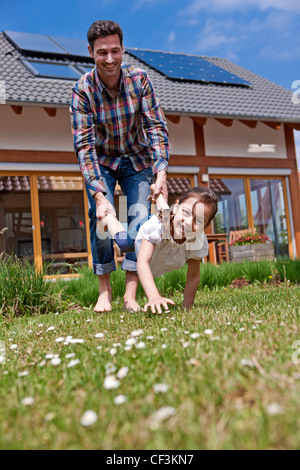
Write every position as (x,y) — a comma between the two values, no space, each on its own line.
(228,373)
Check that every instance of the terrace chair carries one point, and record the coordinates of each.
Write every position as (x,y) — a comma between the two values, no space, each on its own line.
(234,235)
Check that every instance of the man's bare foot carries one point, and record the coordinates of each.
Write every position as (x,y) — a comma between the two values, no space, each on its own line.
(131,305)
(104,299)
(103,303)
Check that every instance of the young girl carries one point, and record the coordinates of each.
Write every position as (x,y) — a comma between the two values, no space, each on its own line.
(167,241)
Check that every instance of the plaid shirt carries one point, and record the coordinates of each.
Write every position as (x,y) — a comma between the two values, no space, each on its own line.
(106,130)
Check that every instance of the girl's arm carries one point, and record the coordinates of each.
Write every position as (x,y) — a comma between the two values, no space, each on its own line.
(192,282)
(155,300)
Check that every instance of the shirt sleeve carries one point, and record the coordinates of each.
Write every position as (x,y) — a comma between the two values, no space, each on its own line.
(155,126)
(198,248)
(82,124)
(151,231)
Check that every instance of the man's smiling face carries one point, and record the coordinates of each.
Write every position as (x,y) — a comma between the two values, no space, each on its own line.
(107,54)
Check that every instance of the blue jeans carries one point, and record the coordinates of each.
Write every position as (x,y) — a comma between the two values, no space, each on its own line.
(136,186)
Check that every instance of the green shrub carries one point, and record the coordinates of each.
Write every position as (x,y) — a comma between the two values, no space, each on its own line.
(23,290)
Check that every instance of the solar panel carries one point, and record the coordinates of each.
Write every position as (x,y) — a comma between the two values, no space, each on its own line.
(186,67)
(40,43)
(33,42)
(75,47)
(51,70)
(86,68)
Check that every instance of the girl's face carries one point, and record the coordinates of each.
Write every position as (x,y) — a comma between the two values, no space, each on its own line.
(189,219)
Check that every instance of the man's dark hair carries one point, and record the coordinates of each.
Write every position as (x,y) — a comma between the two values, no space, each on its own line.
(103,28)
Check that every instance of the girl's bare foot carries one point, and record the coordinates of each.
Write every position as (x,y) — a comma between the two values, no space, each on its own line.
(104,299)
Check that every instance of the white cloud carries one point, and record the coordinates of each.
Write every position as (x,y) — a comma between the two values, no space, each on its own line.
(171,37)
(216,6)
(214,34)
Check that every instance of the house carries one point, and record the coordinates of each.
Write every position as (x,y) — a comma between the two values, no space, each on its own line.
(229,129)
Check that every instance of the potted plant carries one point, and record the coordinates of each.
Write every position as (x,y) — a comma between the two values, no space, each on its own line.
(251,247)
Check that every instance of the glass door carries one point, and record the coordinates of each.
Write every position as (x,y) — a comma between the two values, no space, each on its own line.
(269,215)
(232,207)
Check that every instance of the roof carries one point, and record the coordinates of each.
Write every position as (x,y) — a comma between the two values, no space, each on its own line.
(263,100)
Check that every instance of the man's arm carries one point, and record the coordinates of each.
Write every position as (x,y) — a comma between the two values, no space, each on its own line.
(82,124)
(155,125)
(192,282)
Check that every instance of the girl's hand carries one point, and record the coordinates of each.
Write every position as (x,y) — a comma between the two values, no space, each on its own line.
(155,304)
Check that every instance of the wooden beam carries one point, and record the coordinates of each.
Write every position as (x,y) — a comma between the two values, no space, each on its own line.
(233,162)
(251,124)
(17,109)
(199,139)
(199,120)
(225,122)
(174,119)
(294,185)
(50,111)
(294,126)
(274,125)
(37,156)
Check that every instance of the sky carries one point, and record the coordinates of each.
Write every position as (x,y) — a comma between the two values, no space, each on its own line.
(261,35)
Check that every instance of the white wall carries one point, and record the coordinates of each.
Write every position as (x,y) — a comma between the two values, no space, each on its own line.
(34,129)
(181,136)
(241,141)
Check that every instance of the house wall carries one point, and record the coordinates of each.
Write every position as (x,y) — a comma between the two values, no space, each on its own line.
(34,129)
(241,141)
(34,136)
(182,138)
(38,131)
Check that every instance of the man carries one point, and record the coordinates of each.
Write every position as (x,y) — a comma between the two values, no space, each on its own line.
(120,134)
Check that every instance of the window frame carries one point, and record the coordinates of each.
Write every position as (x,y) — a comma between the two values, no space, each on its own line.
(35,215)
(247,179)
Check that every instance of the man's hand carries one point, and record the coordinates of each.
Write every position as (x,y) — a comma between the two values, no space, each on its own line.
(161,185)
(103,206)
(155,304)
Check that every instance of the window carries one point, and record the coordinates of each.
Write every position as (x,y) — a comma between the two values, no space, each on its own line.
(52,70)
(15,216)
(62,221)
(251,202)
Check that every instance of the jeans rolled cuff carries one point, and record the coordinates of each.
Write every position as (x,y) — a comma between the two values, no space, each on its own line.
(101,269)
(128,265)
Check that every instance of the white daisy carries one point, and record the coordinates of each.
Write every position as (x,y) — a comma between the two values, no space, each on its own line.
(110,382)
(27,401)
(160,388)
(120,399)
(208,332)
(88,418)
(73,363)
(122,372)
(136,332)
